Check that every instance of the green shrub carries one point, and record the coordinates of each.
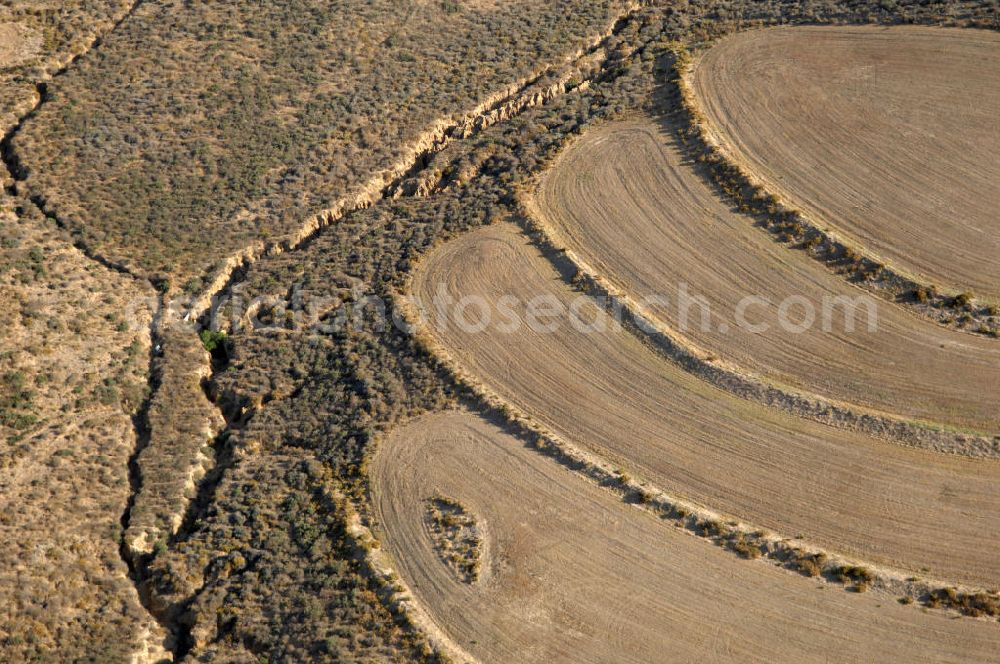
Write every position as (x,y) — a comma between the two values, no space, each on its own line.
(212,340)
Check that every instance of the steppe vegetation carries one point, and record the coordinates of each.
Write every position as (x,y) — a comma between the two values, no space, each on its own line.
(181,425)
(213,154)
(278,577)
(18,44)
(67,344)
(206,129)
(171,437)
(277,392)
(73,376)
(74,355)
(40,37)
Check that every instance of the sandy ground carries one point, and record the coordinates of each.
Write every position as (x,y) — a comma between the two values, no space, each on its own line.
(622,198)
(608,393)
(578,576)
(18,44)
(887,135)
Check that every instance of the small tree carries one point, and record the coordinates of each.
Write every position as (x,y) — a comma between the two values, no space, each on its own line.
(212,339)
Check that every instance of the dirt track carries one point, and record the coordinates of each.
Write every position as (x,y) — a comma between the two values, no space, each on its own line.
(578,576)
(887,135)
(608,393)
(622,199)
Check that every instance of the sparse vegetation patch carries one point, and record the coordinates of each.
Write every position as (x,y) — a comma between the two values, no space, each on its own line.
(456,536)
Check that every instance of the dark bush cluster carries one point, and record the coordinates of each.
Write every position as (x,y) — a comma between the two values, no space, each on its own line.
(326,396)
(282,582)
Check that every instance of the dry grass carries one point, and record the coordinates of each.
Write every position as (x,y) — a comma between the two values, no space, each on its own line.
(37,38)
(74,374)
(266,571)
(18,44)
(182,424)
(225,128)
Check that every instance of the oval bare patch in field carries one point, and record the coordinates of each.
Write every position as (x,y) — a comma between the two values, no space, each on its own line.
(600,388)
(578,576)
(889,136)
(622,198)
(18,44)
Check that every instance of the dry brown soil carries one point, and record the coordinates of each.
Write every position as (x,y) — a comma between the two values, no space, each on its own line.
(605,391)
(887,135)
(623,199)
(575,575)
(18,44)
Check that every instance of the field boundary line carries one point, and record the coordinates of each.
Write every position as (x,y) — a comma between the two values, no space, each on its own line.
(690,357)
(836,250)
(743,539)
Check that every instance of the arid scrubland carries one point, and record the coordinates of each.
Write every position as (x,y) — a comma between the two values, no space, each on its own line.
(374,251)
(40,37)
(197,131)
(212,128)
(181,425)
(73,377)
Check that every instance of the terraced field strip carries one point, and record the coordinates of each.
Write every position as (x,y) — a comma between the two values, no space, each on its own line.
(575,575)
(599,387)
(623,200)
(887,136)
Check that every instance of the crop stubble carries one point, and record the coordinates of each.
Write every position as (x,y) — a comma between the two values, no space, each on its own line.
(623,199)
(888,136)
(576,575)
(608,393)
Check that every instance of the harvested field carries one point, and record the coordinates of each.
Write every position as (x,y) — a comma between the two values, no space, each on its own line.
(888,136)
(607,392)
(623,199)
(576,575)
